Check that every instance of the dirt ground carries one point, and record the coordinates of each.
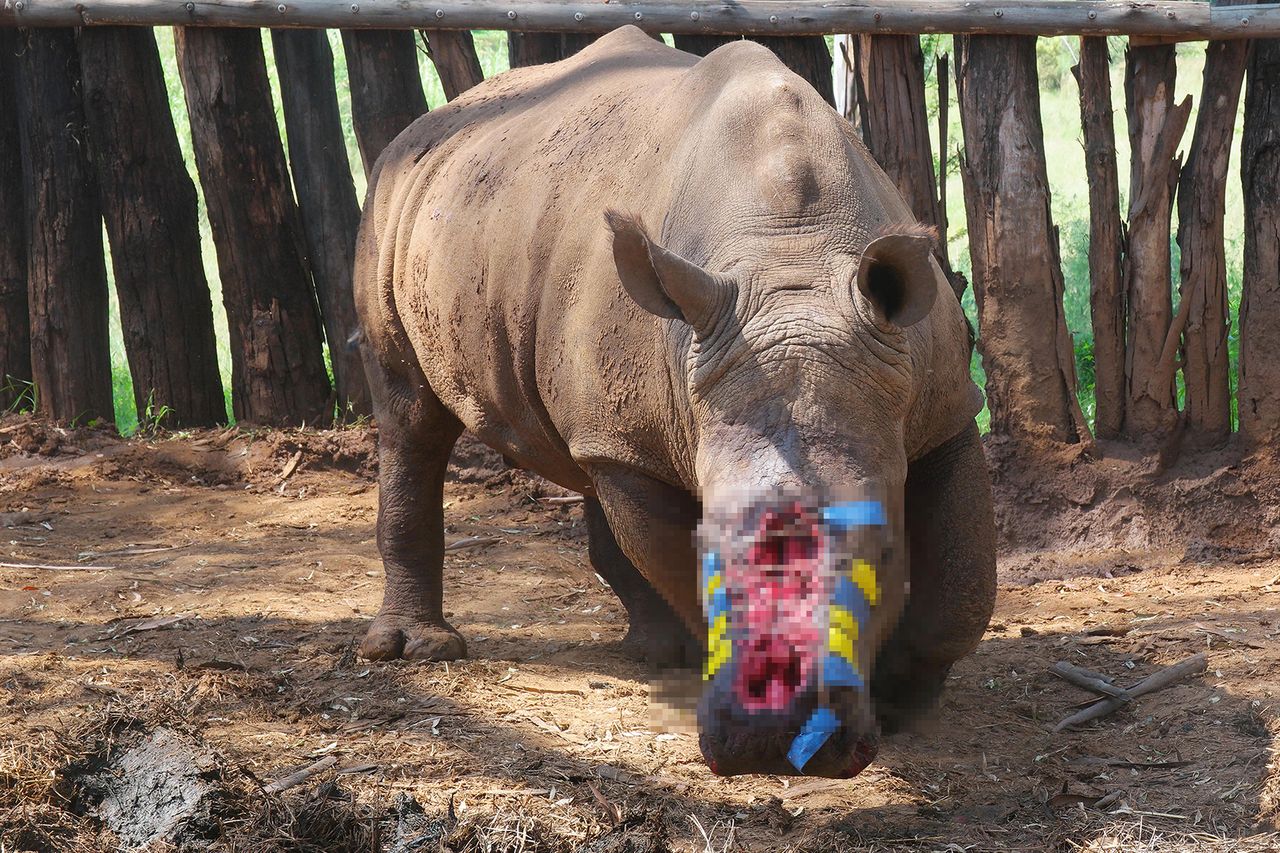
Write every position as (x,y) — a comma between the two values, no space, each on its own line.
(214,584)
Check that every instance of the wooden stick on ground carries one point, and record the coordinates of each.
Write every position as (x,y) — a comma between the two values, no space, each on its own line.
(52,567)
(1090,680)
(295,779)
(471,542)
(1156,681)
(558,500)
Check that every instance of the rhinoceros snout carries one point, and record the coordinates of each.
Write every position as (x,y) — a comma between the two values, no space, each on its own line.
(788,593)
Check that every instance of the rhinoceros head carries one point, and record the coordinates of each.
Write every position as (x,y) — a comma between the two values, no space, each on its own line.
(799,380)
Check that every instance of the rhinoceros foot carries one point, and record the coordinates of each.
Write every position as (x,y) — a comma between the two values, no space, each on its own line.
(661,645)
(393,636)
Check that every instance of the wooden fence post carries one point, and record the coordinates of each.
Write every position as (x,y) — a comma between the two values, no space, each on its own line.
(326,199)
(453,52)
(806,55)
(386,89)
(895,127)
(1202,193)
(525,49)
(67,275)
(1155,129)
(1106,236)
(149,204)
(1017,275)
(15,323)
(1259,392)
(278,374)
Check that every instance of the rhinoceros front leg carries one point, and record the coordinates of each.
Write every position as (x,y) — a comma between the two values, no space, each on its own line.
(652,524)
(655,634)
(415,437)
(952,549)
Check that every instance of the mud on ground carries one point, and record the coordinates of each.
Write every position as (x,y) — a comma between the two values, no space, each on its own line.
(196,642)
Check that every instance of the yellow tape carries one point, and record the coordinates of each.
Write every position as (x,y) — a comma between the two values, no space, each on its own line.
(864,575)
(841,643)
(719,646)
(845,621)
(713,583)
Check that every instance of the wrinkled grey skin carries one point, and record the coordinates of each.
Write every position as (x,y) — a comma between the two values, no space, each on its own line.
(757,309)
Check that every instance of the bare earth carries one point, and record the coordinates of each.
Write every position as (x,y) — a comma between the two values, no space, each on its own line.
(228,600)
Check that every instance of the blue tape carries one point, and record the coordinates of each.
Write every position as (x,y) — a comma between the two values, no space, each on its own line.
(711,564)
(848,595)
(816,731)
(718,604)
(854,514)
(838,672)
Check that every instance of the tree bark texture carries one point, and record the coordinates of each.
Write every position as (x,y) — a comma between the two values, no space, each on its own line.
(525,49)
(278,374)
(67,275)
(453,52)
(1106,236)
(386,89)
(1259,389)
(326,199)
(1023,336)
(149,204)
(805,55)
(895,126)
(1155,128)
(15,323)
(1202,192)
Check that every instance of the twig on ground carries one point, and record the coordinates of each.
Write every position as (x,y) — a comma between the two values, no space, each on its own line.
(1230,638)
(1156,681)
(289,467)
(561,500)
(52,567)
(1089,680)
(132,551)
(471,542)
(295,779)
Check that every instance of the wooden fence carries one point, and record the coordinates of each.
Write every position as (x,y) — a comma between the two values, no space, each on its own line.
(95,142)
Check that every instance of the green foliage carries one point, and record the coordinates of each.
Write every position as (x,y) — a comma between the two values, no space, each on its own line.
(153,417)
(24,392)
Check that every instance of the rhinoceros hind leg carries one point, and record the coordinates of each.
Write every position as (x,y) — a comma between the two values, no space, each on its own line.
(416,434)
(655,634)
(951,532)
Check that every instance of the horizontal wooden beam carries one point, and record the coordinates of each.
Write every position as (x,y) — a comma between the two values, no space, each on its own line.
(1175,19)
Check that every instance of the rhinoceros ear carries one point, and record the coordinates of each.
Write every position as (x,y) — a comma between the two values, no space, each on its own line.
(897,277)
(661,282)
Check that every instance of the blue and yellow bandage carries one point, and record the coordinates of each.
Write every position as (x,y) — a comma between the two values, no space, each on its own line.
(856,591)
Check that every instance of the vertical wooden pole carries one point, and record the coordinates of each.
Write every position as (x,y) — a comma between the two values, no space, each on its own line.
(701,45)
(1155,128)
(1259,393)
(525,49)
(1024,342)
(67,275)
(278,374)
(1106,238)
(326,199)
(149,203)
(807,56)
(895,126)
(1202,193)
(453,52)
(15,323)
(386,89)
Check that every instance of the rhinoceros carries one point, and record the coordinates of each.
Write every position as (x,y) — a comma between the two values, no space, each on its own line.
(683,288)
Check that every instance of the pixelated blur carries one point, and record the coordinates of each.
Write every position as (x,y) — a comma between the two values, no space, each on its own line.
(788,587)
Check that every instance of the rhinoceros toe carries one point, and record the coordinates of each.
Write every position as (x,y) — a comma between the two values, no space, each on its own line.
(389,638)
